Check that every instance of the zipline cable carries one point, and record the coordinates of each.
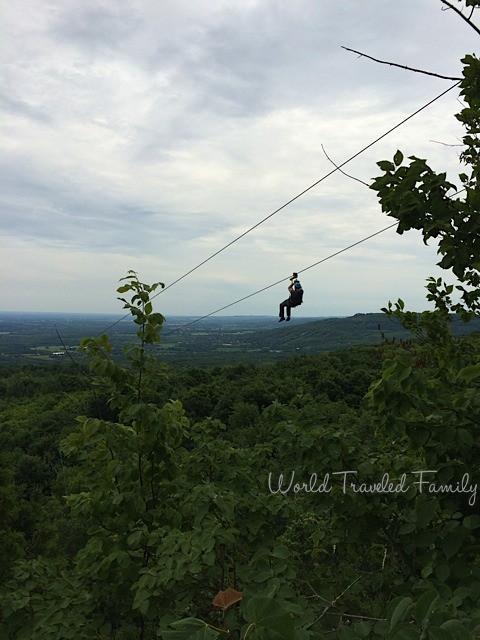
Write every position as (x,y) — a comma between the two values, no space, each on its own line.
(299,195)
(315,264)
(188,324)
(274,284)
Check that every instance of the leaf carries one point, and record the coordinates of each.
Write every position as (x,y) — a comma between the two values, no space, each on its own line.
(134,538)
(471,522)
(442,572)
(424,606)
(406,633)
(281,552)
(425,510)
(398,158)
(456,629)
(362,629)
(467,374)
(451,544)
(400,612)
(347,633)
(226,599)
(268,613)
(437,633)
(385,165)
(141,600)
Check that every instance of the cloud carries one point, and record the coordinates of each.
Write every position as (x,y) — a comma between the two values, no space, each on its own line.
(153,133)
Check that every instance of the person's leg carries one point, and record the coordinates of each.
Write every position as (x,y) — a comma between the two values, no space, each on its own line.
(289,309)
(283,306)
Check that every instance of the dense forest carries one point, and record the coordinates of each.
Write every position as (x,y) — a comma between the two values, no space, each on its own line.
(115,530)
(145,511)
(327,496)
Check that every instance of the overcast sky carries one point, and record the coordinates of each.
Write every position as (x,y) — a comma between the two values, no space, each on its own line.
(146,134)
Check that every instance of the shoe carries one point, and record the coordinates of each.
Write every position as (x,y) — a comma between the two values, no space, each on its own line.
(281,319)
(288,319)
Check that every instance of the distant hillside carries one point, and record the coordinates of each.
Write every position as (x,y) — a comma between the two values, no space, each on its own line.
(28,338)
(338,333)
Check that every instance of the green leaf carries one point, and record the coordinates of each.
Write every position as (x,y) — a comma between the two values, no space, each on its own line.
(442,572)
(268,613)
(451,544)
(347,633)
(398,158)
(385,165)
(406,632)
(425,510)
(425,605)
(456,630)
(134,538)
(400,612)
(471,522)
(281,552)
(467,374)
(408,527)
(362,629)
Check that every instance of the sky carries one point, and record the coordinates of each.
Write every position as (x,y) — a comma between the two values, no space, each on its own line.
(146,134)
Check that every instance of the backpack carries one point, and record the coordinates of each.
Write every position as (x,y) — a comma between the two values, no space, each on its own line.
(296,297)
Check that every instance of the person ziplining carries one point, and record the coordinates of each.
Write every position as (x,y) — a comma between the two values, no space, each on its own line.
(281,208)
(294,300)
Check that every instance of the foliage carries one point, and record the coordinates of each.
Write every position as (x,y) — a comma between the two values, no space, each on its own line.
(429,390)
(169,510)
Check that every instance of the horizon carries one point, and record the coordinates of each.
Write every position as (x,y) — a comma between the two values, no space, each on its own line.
(173,315)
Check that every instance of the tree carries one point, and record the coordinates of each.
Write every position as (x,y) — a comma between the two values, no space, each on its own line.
(429,389)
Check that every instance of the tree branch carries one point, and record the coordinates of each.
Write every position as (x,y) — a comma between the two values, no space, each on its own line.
(352,615)
(333,603)
(446,144)
(315,594)
(341,170)
(402,66)
(467,20)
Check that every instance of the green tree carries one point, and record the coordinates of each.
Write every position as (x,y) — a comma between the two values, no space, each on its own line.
(429,389)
